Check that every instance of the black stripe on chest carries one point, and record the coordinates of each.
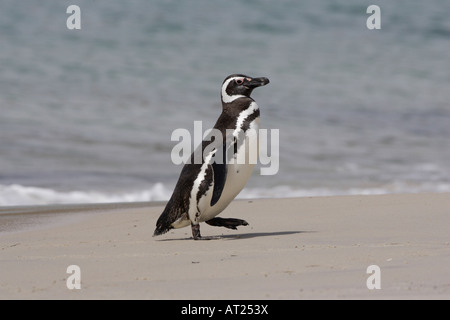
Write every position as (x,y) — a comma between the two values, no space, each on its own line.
(246,124)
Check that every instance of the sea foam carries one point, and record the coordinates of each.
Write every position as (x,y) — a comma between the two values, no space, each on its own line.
(12,195)
(18,195)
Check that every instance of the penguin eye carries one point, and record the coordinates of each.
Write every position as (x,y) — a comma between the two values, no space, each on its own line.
(240,81)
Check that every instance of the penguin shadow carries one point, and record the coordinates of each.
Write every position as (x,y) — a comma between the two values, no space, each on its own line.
(259,234)
(242,236)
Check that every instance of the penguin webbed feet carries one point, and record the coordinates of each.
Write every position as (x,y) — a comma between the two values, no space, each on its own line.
(230,223)
(196,231)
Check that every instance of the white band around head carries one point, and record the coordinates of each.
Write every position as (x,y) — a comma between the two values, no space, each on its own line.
(226,98)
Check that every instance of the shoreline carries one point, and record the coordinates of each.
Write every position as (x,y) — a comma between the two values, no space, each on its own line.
(29,217)
(294,248)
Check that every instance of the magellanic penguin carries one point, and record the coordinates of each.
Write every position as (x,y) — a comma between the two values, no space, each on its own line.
(206,188)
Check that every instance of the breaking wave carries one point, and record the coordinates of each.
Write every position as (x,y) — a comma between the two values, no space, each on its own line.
(17,195)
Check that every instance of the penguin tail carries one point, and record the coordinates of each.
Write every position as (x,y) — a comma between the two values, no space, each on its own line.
(165,220)
(161,228)
(169,217)
(159,231)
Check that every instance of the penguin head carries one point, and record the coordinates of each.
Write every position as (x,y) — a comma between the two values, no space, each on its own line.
(238,85)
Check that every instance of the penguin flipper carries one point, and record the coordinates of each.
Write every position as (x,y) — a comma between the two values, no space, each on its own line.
(220,175)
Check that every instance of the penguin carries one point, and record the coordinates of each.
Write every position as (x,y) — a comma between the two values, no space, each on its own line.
(206,188)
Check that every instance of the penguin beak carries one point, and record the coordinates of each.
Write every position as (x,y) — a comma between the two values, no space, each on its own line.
(256,82)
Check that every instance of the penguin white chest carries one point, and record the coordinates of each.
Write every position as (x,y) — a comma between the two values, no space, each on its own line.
(239,169)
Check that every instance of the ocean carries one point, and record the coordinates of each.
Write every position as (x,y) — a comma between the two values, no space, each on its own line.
(86,115)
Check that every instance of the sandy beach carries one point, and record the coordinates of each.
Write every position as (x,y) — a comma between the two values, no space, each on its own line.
(302,248)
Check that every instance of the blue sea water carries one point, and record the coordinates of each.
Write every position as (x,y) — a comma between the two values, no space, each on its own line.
(87,115)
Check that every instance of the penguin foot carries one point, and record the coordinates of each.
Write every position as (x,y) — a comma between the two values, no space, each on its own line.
(230,223)
(196,231)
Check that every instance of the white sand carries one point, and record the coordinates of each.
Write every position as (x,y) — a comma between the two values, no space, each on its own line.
(306,248)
